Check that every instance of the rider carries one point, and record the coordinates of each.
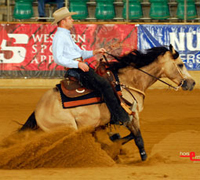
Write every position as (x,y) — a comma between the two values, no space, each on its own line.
(66,53)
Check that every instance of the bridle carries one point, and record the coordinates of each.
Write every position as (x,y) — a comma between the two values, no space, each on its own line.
(181,74)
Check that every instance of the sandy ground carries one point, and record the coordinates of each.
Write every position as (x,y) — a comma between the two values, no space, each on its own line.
(170,125)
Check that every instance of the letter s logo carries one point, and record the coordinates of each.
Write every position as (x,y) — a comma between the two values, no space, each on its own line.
(19,53)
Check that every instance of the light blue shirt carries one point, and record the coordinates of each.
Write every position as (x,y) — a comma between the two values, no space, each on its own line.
(65,50)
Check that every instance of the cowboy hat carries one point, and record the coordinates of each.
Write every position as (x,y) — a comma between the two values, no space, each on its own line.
(61,14)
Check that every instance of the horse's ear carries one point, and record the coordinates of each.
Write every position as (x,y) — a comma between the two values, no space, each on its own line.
(175,54)
(172,49)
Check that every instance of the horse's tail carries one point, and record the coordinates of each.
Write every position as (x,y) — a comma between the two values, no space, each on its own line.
(30,124)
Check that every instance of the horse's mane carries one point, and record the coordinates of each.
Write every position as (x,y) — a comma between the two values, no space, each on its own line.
(137,59)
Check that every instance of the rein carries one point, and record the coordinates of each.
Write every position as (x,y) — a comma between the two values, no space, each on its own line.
(175,88)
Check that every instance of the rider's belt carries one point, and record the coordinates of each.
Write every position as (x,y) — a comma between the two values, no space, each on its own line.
(80,59)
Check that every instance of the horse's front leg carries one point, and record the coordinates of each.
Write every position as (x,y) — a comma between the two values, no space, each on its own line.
(135,134)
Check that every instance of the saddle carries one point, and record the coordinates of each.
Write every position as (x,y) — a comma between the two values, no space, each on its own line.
(71,87)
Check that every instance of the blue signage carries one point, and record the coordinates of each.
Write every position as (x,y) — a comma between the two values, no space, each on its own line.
(184,38)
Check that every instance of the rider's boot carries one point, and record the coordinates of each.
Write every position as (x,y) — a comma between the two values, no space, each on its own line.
(119,116)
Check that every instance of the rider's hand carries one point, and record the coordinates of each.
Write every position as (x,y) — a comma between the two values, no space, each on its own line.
(84,67)
(98,51)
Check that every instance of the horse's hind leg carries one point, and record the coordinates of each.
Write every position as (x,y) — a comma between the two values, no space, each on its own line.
(30,123)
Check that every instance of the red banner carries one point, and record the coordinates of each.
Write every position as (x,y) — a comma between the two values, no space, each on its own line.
(29,46)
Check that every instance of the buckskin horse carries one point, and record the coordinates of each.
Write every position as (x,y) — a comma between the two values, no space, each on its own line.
(137,71)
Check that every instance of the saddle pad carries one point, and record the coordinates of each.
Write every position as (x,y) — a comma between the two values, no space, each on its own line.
(88,99)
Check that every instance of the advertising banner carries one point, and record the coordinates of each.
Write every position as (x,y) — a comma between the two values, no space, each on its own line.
(26,49)
(184,38)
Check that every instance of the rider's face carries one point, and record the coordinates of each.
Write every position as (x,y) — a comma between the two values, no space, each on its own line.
(68,22)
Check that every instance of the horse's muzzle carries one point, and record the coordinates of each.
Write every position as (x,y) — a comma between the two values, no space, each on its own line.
(188,84)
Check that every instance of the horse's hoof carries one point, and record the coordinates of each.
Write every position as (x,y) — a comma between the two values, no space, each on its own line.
(115,137)
(143,155)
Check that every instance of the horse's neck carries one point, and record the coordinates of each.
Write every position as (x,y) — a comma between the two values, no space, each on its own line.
(137,79)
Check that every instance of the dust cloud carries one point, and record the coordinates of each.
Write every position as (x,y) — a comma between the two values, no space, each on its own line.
(61,148)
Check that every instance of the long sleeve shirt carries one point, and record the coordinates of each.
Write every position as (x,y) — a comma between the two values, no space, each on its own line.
(65,50)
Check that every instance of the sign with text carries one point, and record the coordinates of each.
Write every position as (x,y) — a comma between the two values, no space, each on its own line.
(28,47)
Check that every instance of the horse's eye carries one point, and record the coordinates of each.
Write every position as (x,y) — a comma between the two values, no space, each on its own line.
(180,65)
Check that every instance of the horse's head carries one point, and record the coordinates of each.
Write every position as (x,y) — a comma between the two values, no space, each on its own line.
(174,69)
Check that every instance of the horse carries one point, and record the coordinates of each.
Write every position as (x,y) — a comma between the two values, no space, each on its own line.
(137,71)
